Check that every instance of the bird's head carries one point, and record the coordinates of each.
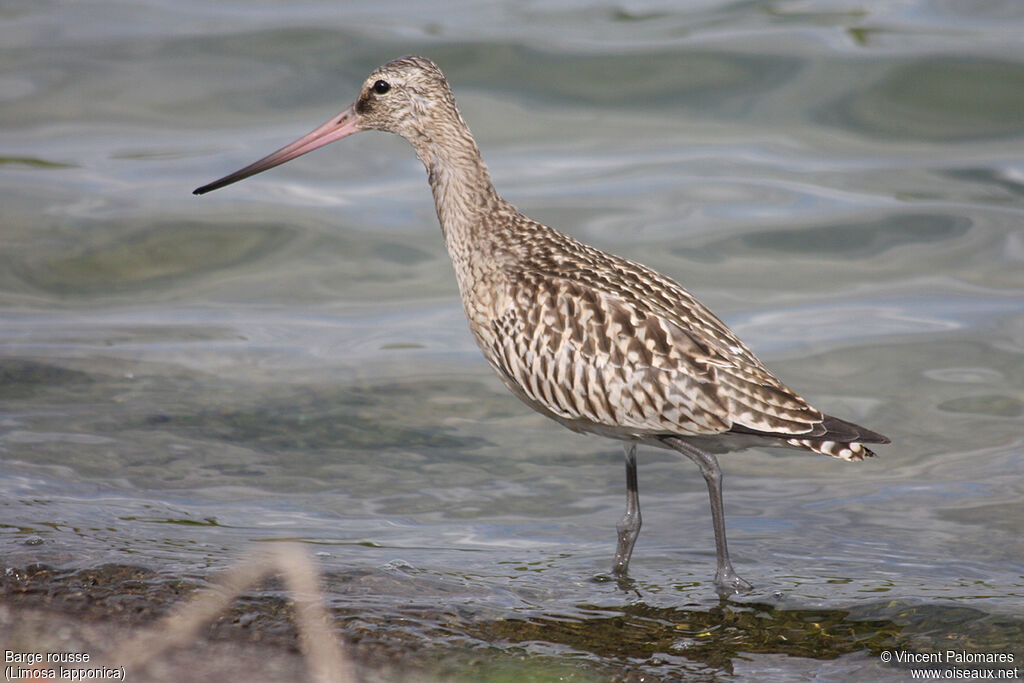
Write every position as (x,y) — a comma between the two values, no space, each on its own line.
(408,96)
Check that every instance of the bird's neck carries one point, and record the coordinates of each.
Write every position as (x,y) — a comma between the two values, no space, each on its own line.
(463,193)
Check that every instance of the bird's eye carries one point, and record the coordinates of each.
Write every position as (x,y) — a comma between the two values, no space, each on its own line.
(381,87)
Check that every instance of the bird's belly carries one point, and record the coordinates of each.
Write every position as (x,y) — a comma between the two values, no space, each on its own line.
(592,399)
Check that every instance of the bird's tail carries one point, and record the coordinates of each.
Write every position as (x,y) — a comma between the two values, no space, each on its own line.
(842,439)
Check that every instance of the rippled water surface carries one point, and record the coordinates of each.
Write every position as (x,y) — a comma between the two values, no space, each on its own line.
(182,378)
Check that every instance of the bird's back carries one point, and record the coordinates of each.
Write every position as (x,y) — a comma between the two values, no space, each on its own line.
(606,345)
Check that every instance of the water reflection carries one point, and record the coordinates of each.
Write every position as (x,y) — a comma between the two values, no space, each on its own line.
(950,100)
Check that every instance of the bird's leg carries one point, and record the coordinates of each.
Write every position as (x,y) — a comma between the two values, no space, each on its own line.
(726,577)
(629,526)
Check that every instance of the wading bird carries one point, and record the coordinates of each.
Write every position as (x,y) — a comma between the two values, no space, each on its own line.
(593,341)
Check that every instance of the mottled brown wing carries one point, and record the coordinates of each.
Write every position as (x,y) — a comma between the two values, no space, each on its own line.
(578,346)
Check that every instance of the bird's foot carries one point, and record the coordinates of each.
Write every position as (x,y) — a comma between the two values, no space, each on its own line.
(728,582)
(623,580)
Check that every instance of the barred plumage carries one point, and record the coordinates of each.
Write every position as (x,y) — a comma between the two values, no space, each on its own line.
(599,343)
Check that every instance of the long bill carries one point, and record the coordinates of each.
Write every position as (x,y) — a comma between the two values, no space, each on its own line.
(342,125)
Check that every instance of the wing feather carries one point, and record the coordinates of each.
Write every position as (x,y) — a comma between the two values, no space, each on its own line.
(603,344)
(644,358)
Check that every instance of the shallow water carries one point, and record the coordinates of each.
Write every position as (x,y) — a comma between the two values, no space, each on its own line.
(182,378)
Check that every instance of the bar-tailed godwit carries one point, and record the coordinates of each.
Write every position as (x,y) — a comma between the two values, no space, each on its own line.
(594,341)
